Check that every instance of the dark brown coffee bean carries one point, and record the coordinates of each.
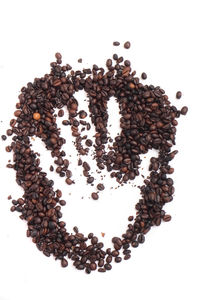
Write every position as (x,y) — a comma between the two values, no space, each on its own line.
(130,218)
(62,202)
(141,238)
(118,259)
(3,137)
(95,196)
(9,132)
(88,143)
(167,218)
(64,263)
(61,113)
(93,266)
(184,110)
(108,267)
(86,166)
(101,270)
(90,179)
(178,95)
(100,187)
(58,55)
(68,181)
(127,45)
(116,43)
(144,76)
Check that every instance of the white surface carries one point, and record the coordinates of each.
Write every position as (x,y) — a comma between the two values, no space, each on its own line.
(165,44)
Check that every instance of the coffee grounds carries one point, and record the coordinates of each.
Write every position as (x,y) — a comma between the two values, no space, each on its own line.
(148,121)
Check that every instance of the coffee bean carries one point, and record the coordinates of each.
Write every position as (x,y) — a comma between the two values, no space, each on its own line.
(95,196)
(167,218)
(184,110)
(93,266)
(116,43)
(36,116)
(64,263)
(9,132)
(90,179)
(100,187)
(178,95)
(144,76)
(141,238)
(127,45)
(58,55)
(147,121)
(3,137)
(61,113)
(130,218)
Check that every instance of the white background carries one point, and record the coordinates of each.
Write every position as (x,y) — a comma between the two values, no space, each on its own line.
(165,43)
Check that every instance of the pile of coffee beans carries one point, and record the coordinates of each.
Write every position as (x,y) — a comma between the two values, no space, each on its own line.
(148,121)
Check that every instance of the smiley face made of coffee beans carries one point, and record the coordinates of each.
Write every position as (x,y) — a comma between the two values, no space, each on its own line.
(147,121)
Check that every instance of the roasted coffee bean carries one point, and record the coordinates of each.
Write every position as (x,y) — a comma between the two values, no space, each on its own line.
(61,113)
(127,45)
(118,259)
(178,95)
(3,137)
(100,187)
(144,76)
(9,132)
(93,266)
(95,196)
(184,110)
(90,179)
(116,43)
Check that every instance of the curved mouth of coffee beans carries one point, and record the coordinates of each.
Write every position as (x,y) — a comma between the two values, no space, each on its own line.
(147,121)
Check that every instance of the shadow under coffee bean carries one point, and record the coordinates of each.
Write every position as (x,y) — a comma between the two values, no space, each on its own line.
(147,121)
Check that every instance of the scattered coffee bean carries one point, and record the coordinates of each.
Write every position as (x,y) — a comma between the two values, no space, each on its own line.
(116,43)
(3,137)
(127,45)
(184,110)
(144,76)
(95,196)
(64,263)
(178,95)
(100,187)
